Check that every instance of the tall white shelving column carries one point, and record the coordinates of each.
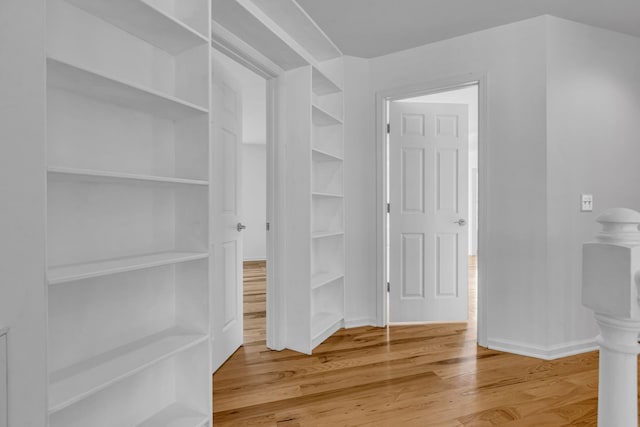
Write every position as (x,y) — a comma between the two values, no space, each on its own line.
(327,208)
(127,212)
(313,109)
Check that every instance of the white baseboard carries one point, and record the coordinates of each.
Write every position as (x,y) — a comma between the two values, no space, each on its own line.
(356,323)
(546,353)
(255,259)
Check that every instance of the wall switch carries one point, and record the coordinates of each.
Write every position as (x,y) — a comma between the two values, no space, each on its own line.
(586,202)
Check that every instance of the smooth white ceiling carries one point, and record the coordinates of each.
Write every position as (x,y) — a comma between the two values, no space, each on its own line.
(370,28)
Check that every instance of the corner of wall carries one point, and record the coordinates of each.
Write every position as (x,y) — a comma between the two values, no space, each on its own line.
(592,91)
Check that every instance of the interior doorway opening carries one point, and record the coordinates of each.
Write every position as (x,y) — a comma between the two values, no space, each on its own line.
(417,179)
(252,188)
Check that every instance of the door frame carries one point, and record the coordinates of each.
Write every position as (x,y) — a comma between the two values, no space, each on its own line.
(227,43)
(409,91)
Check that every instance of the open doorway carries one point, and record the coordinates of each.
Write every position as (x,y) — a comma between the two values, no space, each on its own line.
(240,175)
(431,225)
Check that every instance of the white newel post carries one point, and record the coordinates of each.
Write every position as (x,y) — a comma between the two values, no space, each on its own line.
(610,282)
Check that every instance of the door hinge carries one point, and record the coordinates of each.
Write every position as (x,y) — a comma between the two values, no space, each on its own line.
(268,226)
(388,287)
(388,207)
(388,127)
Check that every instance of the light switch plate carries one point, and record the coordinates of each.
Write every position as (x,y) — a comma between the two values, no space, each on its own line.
(586,202)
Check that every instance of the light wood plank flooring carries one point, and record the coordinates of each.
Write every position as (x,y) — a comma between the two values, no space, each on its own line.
(431,375)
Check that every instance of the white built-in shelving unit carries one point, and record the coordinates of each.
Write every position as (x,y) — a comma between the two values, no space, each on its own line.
(128,84)
(315,278)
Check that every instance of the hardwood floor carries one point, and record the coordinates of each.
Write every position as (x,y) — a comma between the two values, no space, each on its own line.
(255,300)
(427,375)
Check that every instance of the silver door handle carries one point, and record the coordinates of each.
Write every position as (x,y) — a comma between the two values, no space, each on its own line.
(461,222)
(240,226)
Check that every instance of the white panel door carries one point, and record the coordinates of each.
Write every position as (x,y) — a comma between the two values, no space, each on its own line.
(428,258)
(226,250)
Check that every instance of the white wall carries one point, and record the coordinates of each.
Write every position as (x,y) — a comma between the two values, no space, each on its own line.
(254,196)
(513,255)
(593,147)
(562,110)
(22,212)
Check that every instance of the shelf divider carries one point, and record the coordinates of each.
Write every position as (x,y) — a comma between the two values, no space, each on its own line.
(85,82)
(146,22)
(327,195)
(320,279)
(98,175)
(324,156)
(175,415)
(69,273)
(325,234)
(321,117)
(75,383)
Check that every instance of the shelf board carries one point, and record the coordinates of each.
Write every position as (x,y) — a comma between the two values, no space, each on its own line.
(248,23)
(321,117)
(323,325)
(324,156)
(320,279)
(327,195)
(70,385)
(324,234)
(176,415)
(295,21)
(98,175)
(95,85)
(323,85)
(68,273)
(146,22)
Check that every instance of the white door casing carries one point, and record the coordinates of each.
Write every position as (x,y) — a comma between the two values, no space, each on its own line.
(226,237)
(428,187)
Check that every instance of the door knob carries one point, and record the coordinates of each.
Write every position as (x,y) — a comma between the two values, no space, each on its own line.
(240,226)
(461,222)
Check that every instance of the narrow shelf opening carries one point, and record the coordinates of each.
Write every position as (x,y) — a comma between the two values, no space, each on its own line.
(101,176)
(323,85)
(321,279)
(319,155)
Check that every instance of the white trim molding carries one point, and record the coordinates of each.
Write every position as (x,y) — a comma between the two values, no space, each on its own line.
(418,89)
(546,353)
(226,42)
